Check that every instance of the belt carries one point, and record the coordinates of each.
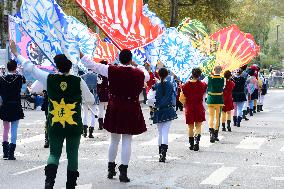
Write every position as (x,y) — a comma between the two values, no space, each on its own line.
(129,98)
(215,94)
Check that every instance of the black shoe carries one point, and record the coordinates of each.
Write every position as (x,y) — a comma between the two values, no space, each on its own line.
(5,146)
(261,108)
(50,173)
(11,152)
(191,143)
(46,141)
(72,179)
(258,108)
(91,130)
(101,123)
(163,154)
(123,173)
(239,121)
(245,115)
(223,127)
(254,109)
(251,112)
(229,125)
(196,145)
(248,110)
(216,133)
(160,150)
(85,130)
(235,120)
(111,170)
(212,136)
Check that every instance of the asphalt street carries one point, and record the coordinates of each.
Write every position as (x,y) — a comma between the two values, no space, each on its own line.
(250,157)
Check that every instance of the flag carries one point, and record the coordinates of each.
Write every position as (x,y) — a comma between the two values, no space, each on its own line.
(122,21)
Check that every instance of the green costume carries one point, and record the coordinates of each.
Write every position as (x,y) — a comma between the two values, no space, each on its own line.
(215,90)
(64,118)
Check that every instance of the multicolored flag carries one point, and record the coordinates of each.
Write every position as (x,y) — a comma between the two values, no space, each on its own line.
(122,21)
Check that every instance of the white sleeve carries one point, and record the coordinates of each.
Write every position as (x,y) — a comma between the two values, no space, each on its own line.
(88,97)
(98,68)
(205,80)
(146,73)
(34,71)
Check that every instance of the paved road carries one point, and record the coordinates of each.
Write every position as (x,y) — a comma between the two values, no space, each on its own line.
(250,157)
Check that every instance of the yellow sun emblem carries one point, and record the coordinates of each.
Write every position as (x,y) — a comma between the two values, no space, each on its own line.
(63,113)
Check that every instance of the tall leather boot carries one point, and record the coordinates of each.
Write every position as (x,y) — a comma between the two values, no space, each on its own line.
(254,109)
(196,145)
(85,130)
(111,170)
(46,141)
(258,108)
(101,123)
(223,127)
(261,108)
(212,136)
(160,149)
(229,125)
(239,121)
(235,120)
(191,143)
(163,155)
(91,130)
(245,115)
(11,152)
(50,173)
(5,146)
(251,112)
(72,179)
(123,173)
(216,133)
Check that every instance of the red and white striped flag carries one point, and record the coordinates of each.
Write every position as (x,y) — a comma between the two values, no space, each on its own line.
(122,21)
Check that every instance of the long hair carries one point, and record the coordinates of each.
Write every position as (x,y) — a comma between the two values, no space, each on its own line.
(163,73)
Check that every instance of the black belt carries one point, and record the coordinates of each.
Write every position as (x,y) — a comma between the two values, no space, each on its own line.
(130,98)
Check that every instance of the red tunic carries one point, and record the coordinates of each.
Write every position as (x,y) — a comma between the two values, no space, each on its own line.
(194,109)
(151,82)
(228,97)
(124,114)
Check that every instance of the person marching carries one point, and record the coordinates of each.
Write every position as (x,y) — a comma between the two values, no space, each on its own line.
(252,88)
(103,93)
(124,116)
(11,109)
(215,102)
(245,75)
(228,102)
(263,91)
(91,79)
(164,111)
(65,94)
(191,97)
(239,97)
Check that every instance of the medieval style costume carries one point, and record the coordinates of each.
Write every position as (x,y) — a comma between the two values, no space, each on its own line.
(252,88)
(11,110)
(91,79)
(262,92)
(124,116)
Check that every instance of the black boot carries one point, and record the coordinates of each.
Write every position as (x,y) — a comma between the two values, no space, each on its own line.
(91,130)
(261,108)
(191,143)
(223,127)
(258,108)
(248,110)
(11,152)
(196,145)
(239,121)
(212,136)
(50,173)
(85,130)
(216,133)
(163,155)
(101,123)
(235,120)
(46,141)
(254,109)
(5,146)
(251,112)
(111,170)
(245,115)
(71,179)
(229,125)
(123,173)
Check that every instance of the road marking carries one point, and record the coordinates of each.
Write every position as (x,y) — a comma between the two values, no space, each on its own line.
(154,141)
(33,169)
(251,143)
(278,178)
(205,141)
(36,138)
(218,176)
(268,166)
(85,186)
(282,149)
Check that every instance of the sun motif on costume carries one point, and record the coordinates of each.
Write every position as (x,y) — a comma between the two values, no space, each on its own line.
(63,113)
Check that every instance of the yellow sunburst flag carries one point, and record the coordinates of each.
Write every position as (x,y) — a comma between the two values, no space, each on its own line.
(63,113)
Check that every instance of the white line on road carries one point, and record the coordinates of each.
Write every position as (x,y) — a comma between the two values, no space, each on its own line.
(154,141)
(251,143)
(33,169)
(282,149)
(218,176)
(278,178)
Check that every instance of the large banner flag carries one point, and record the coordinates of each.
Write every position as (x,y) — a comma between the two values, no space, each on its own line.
(122,21)
(235,48)
(105,51)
